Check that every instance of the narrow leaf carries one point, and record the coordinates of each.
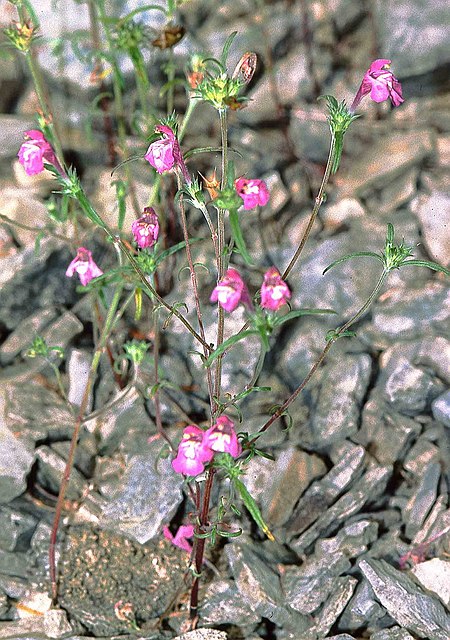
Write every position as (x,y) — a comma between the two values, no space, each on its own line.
(427,263)
(229,343)
(238,237)
(252,508)
(299,312)
(357,254)
(226,48)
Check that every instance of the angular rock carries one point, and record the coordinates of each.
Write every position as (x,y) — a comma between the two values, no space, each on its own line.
(432,212)
(50,471)
(409,389)
(16,529)
(19,339)
(260,587)
(434,575)
(441,408)
(342,592)
(407,603)
(203,634)
(362,607)
(413,35)
(16,459)
(394,633)
(286,480)
(322,493)
(222,602)
(422,499)
(147,498)
(371,485)
(343,387)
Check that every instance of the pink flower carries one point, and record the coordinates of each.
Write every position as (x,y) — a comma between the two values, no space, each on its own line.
(165,154)
(34,151)
(274,291)
(252,192)
(221,437)
(84,265)
(230,291)
(146,228)
(192,454)
(179,540)
(381,83)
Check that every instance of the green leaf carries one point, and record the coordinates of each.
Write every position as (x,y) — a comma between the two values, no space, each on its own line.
(176,247)
(252,507)
(390,233)
(427,263)
(238,237)
(357,254)
(226,48)
(229,343)
(334,334)
(147,7)
(229,534)
(279,320)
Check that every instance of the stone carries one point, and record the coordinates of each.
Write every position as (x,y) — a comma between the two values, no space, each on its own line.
(406,602)
(78,366)
(334,215)
(343,386)
(16,459)
(409,389)
(413,35)
(433,212)
(342,592)
(361,607)
(285,481)
(420,455)
(146,499)
(434,575)
(394,633)
(19,339)
(441,408)
(222,602)
(50,471)
(422,499)
(279,195)
(203,634)
(22,206)
(260,587)
(16,529)
(56,624)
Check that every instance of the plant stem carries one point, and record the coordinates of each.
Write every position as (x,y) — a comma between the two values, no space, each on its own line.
(317,204)
(338,332)
(195,290)
(187,116)
(200,544)
(220,247)
(73,444)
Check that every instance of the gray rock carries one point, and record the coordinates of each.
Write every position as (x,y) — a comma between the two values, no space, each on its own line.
(333,607)
(50,471)
(353,539)
(223,603)
(434,575)
(279,484)
(308,586)
(394,633)
(407,603)
(422,499)
(409,389)
(147,498)
(13,564)
(19,339)
(322,493)
(342,389)
(56,624)
(362,607)
(413,34)
(203,634)
(15,529)
(433,212)
(16,459)
(441,408)
(260,587)
(13,127)
(78,365)
(335,215)
(421,454)
(371,485)
(422,312)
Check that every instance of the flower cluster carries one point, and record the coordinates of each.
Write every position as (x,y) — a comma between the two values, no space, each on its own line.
(232,291)
(197,447)
(381,83)
(84,265)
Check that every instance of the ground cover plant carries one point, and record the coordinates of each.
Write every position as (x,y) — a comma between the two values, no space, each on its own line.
(186,267)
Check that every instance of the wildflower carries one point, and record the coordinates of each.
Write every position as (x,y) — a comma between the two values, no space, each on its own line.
(192,454)
(381,83)
(252,192)
(179,539)
(221,437)
(165,154)
(146,228)
(274,291)
(230,291)
(84,265)
(34,151)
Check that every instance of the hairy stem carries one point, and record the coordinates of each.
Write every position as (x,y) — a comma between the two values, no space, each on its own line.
(338,332)
(317,204)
